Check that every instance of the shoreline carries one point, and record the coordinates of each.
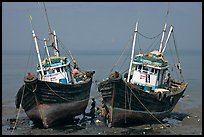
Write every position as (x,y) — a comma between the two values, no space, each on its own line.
(182,121)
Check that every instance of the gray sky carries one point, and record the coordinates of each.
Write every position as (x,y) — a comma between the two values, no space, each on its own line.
(100,26)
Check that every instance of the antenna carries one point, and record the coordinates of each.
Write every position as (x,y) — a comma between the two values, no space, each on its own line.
(167,13)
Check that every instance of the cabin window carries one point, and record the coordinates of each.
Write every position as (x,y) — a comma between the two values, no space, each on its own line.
(139,67)
(58,69)
(136,67)
(148,78)
(51,71)
(156,70)
(62,69)
(45,72)
(145,68)
(152,70)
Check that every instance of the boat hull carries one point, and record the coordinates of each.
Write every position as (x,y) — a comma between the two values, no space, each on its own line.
(50,104)
(131,104)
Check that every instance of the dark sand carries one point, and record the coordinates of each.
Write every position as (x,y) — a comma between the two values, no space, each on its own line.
(182,121)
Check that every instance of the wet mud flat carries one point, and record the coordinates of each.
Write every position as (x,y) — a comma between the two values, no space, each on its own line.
(178,123)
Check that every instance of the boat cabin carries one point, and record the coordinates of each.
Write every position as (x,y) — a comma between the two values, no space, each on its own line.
(56,69)
(150,71)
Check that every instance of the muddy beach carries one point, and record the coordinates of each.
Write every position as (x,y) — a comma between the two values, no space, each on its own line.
(182,121)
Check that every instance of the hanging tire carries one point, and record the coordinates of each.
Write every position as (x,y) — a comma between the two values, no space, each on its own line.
(115,77)
(34,80)
(161,96)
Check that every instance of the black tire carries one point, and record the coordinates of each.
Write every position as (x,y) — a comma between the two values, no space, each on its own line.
(161,96)
(34,80)
(115,79)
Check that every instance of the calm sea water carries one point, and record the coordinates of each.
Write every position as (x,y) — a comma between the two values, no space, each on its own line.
(16,64)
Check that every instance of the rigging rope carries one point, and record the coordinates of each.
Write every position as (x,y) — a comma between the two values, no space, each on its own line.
(17,117)
(68,53)
(152,45)
(150,37)
(118,59)
(172,58)
(178,57)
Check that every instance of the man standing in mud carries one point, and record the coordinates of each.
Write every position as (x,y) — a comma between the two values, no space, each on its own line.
(105,112)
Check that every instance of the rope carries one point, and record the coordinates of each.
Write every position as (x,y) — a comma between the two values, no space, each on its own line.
(17,117)
(68,53)
(172,58)
(177,57)
(148,110)
(123,63)
(149,37)
(149,48)
(56,93)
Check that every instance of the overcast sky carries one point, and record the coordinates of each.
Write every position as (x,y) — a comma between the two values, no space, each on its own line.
(99,26)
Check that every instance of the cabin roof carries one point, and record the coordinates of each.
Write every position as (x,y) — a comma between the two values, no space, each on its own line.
(55,60)
(154,59)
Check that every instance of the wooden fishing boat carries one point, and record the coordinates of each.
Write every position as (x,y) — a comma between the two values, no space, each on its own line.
(60,90)
(148,92)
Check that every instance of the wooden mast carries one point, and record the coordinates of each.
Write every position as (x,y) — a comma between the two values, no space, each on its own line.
(37,49)
(171,30)
(132,55)
(162,39)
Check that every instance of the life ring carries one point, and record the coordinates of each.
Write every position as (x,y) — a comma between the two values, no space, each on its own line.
(115,77)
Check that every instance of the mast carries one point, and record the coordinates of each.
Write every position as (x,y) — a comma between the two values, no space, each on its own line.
(37,49)
(162,40)
(171,30)
(133,48)
(56,52)
(48,55)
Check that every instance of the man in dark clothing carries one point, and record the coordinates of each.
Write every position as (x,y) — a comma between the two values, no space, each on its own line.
(92,110)
(91,113)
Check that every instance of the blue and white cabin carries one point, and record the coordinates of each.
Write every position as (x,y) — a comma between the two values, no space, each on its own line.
(59,70)
(150,71)
(54,68)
